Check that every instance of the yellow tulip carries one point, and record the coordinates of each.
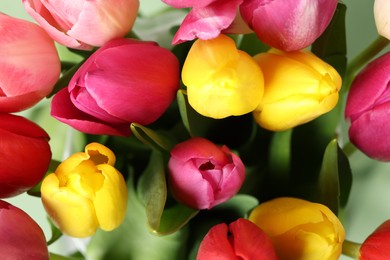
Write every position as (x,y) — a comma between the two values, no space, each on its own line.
(298,87)
(86,192)
(299,229)
(221,80)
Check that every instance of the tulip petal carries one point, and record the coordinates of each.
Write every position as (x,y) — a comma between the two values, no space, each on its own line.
(376,245)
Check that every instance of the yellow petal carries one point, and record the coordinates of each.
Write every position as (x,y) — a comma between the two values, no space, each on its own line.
(111,200)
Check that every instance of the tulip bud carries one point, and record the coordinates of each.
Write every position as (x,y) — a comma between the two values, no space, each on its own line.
(300,229)
(376,246)
(25,154)
(202,174)
(288,25)
(382,17)
(20,236)
(241,240)
(83,24)
(143,80)
(367,109)
(29,66)
(221,80)
(298,87)
(86,192)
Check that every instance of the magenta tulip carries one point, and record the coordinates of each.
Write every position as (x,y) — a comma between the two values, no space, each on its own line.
(377,245)
(20,236)
(25,154)
(81,24)
(367,109)
(288,25)
(241,240)
(202,174)
(29,65)
(125,81)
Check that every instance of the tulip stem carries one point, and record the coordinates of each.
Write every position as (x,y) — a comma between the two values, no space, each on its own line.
(361,59)
(349,149)
(351,249)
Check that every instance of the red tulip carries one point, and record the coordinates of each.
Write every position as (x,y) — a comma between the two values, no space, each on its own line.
(377,245)
(367,108)
(29,65)
(203,174)
(241,240)
(24,154)
(125,81)
(20,236)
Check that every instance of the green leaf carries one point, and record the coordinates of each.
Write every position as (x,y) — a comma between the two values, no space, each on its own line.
(280,157)
(175,218)
(55,233)
(53,256)
(152,188)
(239,206)
(335,178)
(133,239)
(252,45)
(152,138)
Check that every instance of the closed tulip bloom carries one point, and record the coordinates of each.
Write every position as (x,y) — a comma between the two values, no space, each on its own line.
(299,229)
(24,154)
(125,81)
(367,109)
(288,25)
(382,17)
(29,65)
(298,87)
(20,236)
(86,192)
(202,174)
(376,246)
(240,240)
(81,24)
(221,80)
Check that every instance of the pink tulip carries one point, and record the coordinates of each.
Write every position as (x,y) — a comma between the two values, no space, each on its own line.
(288,25)
(125,81)
(367,109)
(203,174)
(25,154)
(20,236)
(241,240)
(29,65)
(377,245)
(81,24)
(206,19)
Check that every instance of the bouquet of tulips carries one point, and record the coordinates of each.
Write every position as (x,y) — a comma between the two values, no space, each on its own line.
(226,135)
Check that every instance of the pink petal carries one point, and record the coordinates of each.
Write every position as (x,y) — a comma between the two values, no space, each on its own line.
(188,3)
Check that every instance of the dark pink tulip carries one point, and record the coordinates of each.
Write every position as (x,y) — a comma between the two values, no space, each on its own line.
(20,236)
(377,245)
(203,175)
(288,25)
(29,65)
(24,154)
(367,109)
(82,24)
(125,81)
(241,240)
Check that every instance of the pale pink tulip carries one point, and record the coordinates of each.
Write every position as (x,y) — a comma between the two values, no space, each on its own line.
(29,65)
(81,24)
(382,17)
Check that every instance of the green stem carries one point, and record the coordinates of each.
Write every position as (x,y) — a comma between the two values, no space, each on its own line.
(349,149)
(363,58)
(351,249)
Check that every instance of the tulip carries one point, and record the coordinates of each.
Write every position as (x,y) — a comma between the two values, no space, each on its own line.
(241,240)
(298,87)
(82,24)
(382,18)
(125,81)
(288,25)
(367,109)
(25,154)
(300,229)
(221,80)
(86,192)
(20,236)
(376,246)
(29,66)
(202,174)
